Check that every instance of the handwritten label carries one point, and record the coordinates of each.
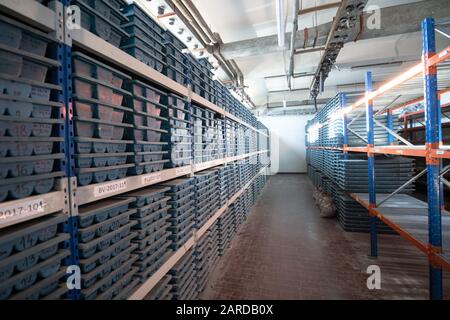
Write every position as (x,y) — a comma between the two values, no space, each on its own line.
(151,178)
(182,170)
(22,209)
(110,187)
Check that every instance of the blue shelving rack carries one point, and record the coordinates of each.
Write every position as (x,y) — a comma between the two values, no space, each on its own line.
(381,206)
(70,196)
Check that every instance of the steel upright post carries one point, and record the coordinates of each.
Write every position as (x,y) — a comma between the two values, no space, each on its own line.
(65,57)
(371,168)
(432,125)
(344,125)
(390,125)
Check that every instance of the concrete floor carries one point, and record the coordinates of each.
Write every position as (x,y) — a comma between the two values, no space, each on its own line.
(286,251)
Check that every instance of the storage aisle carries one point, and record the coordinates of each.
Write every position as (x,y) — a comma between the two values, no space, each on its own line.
(286,251)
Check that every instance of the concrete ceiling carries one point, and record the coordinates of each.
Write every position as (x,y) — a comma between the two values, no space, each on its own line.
(249,34)
(252,23)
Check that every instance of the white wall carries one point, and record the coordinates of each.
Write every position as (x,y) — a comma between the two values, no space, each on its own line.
(288,151)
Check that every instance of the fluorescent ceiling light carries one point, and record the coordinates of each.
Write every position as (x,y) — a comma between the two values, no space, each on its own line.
(280,21)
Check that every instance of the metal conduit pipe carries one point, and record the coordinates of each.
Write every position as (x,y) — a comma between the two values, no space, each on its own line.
(240,76)
(292,48)
(200,34)
(191,17)
(198,17)
(214,41)
(185,16)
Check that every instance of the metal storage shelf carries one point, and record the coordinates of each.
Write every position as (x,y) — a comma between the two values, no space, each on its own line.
(94,192)
(94,44)
(16,211)
(443,152)
(32,12)
(68,197)
(408,216)
(425,224)
(148,285)
(45,19)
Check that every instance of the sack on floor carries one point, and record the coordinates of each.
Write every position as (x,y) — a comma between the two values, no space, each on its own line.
(325,203)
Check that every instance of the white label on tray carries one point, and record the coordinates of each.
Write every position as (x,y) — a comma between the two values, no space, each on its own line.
(22,209)
(151,178)
(111,187)
(183,170)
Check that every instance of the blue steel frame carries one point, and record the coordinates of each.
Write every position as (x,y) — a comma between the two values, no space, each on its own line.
(64,53)
(371,167)
(344,124)
(432,128)
(390,125)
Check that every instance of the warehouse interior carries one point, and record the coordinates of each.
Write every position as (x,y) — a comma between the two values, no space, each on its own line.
(224,150)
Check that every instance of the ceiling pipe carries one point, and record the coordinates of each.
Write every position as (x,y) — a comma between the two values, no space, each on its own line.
(241,85)
(295,75)
(279,9)
(240,76)
(198,17)
(190,16)
(188,20)
(215,41)
(309,50)
(292,48)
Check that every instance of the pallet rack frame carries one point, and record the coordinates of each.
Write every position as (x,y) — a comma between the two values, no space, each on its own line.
(68,196)
(150,283)
(433,151)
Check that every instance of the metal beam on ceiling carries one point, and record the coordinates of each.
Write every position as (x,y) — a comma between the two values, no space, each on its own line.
(296,103)
(395,20)
(295,75)
(308,50)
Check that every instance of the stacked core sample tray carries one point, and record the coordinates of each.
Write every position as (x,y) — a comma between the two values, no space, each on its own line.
(179,128)
(206,200)
(106,249)
(202,261)
(225,228)
(152,228)
(148,147)
(32,256)
(31,109)
(145,40)
(176,61)
(182,210)
(183,278)
(99,121)
(162,291)
(206,135)
(103,18)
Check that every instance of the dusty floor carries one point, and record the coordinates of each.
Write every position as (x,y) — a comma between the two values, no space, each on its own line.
(286,251)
